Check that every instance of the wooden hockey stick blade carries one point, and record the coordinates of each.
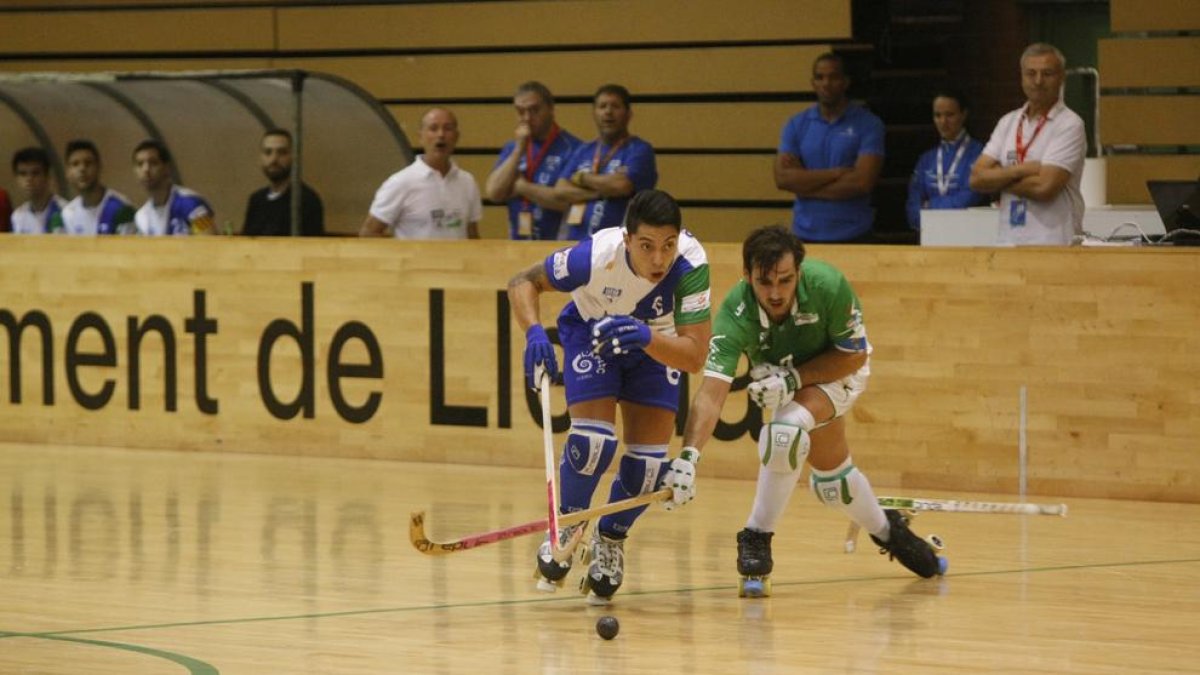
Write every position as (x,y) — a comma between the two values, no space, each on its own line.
(563,553)
(957,506)
(416,525)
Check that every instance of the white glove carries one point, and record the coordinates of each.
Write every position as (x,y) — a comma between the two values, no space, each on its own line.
(773,385)
(681,478)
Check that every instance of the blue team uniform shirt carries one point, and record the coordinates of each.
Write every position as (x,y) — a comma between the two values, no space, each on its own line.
(826,145)
(923,186)
(597,274)
(545,221)
(636,157)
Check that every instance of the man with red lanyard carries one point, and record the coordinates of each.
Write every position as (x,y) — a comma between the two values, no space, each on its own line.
(599,177)
(1035,159)
(529,164)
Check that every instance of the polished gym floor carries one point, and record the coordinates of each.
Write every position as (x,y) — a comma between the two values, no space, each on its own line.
(132,561)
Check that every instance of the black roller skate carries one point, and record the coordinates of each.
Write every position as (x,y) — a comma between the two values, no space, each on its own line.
(754,563)
(607,569)
(918,555)
(551,573)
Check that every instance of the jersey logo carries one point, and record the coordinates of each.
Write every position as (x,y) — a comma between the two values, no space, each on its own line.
(740,308)
(612,293)
(560,265)
(803,319)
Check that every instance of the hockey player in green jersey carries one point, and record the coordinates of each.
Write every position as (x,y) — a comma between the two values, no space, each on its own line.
(801,327)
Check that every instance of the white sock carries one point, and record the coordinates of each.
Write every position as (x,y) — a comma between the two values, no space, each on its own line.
(863,507)
(771,498)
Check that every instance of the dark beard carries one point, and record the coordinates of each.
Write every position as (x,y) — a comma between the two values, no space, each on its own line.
(277,174)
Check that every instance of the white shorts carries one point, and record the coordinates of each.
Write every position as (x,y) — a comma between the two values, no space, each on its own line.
(844,392)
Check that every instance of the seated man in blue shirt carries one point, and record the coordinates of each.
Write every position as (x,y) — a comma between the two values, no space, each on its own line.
(940,179)
(830,157)
(598,178)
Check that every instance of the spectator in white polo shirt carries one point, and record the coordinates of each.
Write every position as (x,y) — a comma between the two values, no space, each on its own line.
(432,198)
(1035,158)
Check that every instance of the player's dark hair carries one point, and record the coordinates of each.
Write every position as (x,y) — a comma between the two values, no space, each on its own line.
(535,87)
(278,131)
(652,207)
(766,246)
(156,145)
(31,155)
(832,58)
(78,144)
(614,89)
(953,94)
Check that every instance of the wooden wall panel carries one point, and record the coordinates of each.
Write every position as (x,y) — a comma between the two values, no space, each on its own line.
(711,224)
(1127,174)
(1104,340)
(726,70)
(1152,15)
(749,125)
(688,176)
(1150,120)
(543,23)
(178,30)
(130,65)
(1150,62)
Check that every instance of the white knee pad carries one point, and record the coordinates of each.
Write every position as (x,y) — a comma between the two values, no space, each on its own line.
(782,447)
(590,449)
(833,490)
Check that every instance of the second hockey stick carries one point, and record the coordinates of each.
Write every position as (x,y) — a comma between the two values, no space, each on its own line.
(421,542)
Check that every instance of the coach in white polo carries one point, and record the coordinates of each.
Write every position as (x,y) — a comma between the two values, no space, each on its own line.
(432,198)
(1035,159)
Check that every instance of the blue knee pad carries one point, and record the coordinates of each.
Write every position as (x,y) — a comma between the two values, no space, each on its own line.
(589,450)
(641,469)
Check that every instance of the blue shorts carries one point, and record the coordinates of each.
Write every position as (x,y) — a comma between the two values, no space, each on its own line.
(634,377)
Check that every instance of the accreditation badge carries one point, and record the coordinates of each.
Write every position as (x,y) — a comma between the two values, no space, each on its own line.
(1016,212)
(575,214)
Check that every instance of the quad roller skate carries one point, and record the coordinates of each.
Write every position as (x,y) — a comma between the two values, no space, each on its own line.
(606,570)
(551,574)
(754,563)
(918,555)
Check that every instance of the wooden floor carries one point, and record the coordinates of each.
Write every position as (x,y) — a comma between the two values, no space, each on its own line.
(118,561)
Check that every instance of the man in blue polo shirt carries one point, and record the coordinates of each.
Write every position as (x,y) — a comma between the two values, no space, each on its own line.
(529,162)
(830,157)
(599,177)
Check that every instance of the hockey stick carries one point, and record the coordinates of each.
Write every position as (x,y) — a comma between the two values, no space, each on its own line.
(416,526)
(558,552)
(955,506)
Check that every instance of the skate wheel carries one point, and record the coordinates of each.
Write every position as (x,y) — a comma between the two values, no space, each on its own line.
(546,586)
(943,565)
(754,588)
(936,542)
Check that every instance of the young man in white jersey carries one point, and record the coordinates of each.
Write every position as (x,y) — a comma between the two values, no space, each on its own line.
(31,166)
(96,209)
(171,209)
(638,316)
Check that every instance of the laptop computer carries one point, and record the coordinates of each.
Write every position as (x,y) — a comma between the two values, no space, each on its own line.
(1178,204)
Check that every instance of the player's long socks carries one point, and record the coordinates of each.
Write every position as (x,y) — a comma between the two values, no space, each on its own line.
(641,468)
(589,449)
(771,497)
(862,506)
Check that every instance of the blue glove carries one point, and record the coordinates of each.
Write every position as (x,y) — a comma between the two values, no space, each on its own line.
(615,335)
(539,357)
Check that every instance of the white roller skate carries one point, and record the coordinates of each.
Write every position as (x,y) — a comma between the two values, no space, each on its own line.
(606,570)
(551,573)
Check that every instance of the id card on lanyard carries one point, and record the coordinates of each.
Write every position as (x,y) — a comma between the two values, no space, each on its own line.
(532,164)
(575,215)
(943,180)
(1017,208)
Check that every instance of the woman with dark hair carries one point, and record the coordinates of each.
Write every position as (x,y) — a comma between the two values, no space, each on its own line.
(940,180)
